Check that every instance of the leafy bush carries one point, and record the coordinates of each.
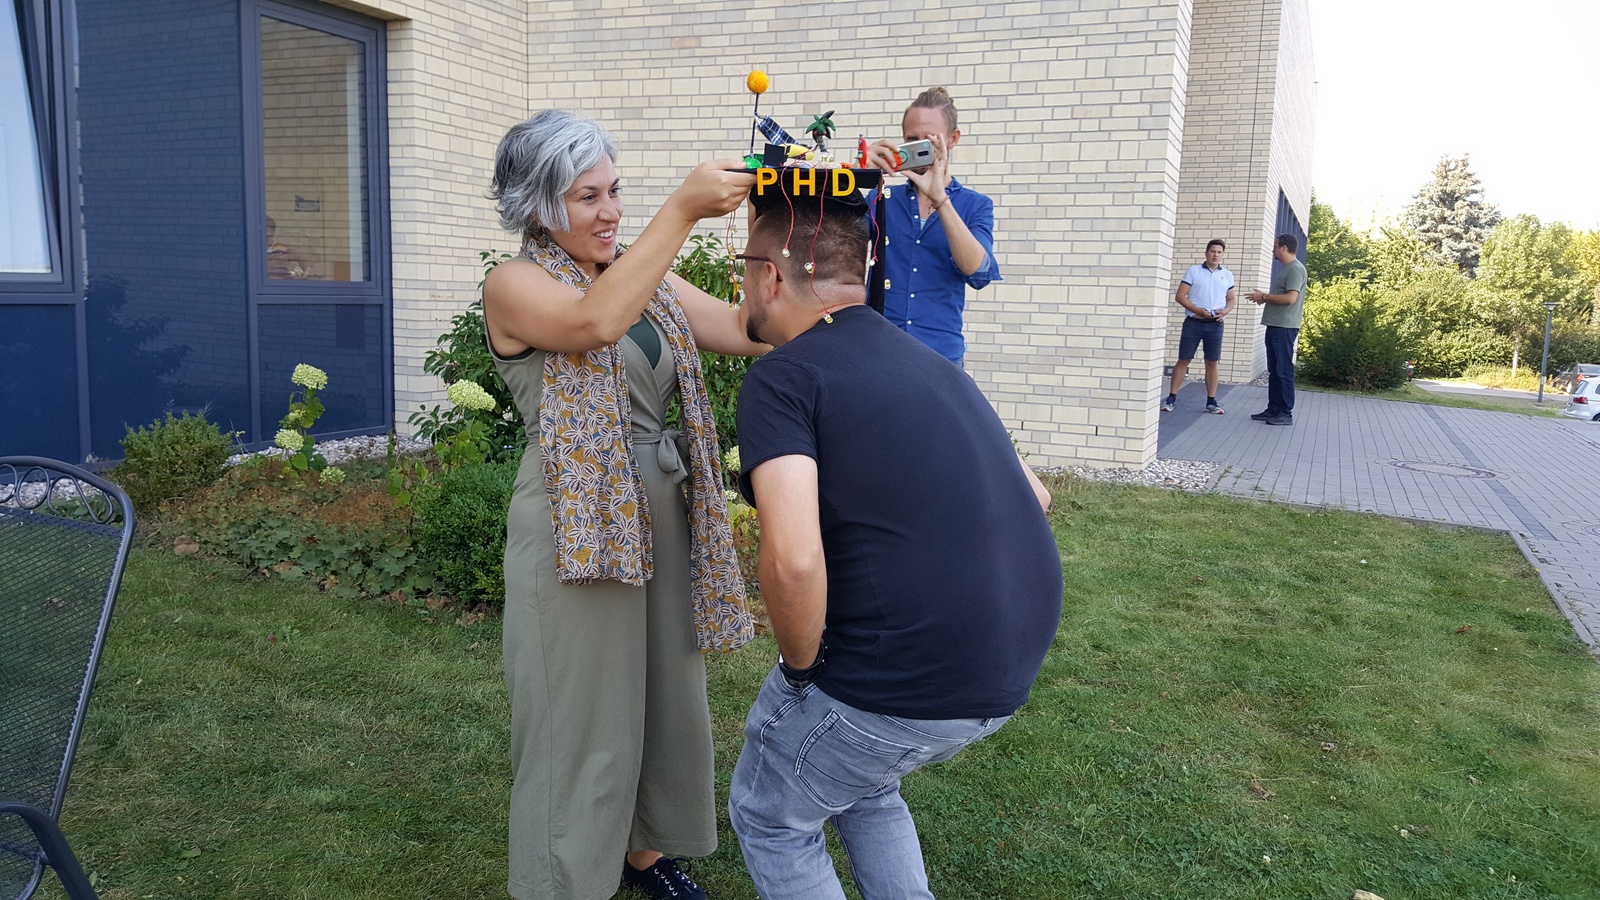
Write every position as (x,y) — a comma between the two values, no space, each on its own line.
(462,354)
(1569,345)
(171,457)
(461,527)
(1448,354)
(706,267)
(346,536)
(1352,342)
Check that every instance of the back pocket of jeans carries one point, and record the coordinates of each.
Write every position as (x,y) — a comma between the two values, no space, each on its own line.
(839,763)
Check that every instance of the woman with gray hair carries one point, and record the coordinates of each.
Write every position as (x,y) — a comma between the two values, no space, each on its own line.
(620,566)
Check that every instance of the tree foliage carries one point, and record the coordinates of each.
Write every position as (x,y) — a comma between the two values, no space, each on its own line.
(1451,217)
(1525,265)
(1584,257)
(1333,250)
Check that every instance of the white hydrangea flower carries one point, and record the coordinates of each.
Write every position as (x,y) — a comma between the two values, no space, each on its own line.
(309,377)
(289,439)
(470,395)
(333,475)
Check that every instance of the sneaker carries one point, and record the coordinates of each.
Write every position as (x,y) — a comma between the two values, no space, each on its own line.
(1261,416)
(663,881)
(1169,403)
(1278,420)
(1214,409)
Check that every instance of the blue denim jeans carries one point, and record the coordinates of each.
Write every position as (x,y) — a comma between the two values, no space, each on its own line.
(808,758)
(1280,369)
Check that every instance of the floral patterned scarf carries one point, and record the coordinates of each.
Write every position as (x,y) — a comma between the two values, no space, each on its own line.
(601,519)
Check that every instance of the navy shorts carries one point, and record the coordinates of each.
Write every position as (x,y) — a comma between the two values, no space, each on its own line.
(1195,331)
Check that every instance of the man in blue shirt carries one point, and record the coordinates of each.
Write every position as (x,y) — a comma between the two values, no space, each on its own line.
(1206,295)
(940,234)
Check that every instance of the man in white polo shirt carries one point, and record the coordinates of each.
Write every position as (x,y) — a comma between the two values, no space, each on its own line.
(1206,295)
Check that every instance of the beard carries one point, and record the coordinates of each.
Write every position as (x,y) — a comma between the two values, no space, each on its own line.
(752,321)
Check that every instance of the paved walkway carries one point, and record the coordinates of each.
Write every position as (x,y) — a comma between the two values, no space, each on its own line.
(1537,478)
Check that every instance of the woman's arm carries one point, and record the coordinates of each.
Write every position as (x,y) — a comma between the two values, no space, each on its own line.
(527,308)
(717,327)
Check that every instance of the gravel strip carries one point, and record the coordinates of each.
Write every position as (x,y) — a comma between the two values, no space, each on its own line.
(372,446)
(1191,475)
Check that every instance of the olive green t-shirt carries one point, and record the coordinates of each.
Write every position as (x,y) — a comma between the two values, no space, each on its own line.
(1292,277)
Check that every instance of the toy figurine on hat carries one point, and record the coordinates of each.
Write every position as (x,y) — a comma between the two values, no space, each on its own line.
(789,174)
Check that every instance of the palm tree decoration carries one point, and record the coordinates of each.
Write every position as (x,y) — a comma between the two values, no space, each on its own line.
(821,129)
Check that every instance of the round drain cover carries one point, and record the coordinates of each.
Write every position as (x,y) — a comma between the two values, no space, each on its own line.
(1432,468)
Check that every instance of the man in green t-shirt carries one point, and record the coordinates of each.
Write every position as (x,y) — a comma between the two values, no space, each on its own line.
(1281,311)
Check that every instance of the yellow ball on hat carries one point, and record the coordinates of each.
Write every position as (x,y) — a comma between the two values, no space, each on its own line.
(757,82)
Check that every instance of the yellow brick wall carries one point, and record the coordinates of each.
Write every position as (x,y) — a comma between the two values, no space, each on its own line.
(1071,114)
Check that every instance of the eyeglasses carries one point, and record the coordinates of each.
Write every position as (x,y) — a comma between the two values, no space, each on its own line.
(776,270)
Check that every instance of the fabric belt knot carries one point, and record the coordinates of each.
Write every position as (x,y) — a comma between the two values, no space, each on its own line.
(671,448)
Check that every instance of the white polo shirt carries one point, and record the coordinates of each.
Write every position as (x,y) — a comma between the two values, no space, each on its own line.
(1207,289)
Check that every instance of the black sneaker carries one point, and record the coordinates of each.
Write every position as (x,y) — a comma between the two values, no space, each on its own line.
(1262,416)
(663,881)
(1169,403)
(1213,408)
(1278,420)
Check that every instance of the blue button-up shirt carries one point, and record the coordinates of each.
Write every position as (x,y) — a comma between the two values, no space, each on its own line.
(926,293)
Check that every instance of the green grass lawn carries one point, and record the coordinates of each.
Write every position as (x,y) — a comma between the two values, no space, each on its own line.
(1235,706)
(1553,402)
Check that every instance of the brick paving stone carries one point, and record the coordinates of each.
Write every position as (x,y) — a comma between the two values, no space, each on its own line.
(1418,461)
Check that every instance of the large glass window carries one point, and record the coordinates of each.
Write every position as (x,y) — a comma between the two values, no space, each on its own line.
(24,221)
(314,135)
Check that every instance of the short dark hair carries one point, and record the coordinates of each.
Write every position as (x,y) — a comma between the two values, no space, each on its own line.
(1216,242)
(1288,242)
(837,242)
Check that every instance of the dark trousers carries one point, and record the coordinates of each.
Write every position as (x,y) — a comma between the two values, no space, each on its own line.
(1280,369)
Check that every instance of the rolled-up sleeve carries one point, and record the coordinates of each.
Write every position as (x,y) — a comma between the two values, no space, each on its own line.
(979,217)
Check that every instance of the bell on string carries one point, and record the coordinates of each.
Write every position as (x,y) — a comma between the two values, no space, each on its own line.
(827,318)
(786,253)
(810,267)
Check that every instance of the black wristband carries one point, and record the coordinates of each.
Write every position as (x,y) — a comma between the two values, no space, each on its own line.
(798,678)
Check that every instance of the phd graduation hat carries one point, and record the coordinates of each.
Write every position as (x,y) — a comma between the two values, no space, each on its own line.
(833,192)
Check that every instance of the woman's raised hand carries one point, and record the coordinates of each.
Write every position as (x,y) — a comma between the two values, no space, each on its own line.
(714,188)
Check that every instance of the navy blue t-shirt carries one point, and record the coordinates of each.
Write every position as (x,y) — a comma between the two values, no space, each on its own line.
(944,581)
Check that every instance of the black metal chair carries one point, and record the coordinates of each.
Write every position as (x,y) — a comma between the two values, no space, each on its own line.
(64,538)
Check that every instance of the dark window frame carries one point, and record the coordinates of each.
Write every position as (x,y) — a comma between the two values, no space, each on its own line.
(377,290)
(46,27)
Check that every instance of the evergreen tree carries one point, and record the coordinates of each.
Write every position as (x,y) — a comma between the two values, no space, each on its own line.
(1332,249)
(1450,215)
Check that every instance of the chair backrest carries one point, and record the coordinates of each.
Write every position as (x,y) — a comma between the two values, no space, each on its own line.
(64,538)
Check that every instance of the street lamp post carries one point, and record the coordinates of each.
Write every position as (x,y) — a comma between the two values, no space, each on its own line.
(1544,364)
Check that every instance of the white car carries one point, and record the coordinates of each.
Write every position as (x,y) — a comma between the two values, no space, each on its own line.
(1584,401)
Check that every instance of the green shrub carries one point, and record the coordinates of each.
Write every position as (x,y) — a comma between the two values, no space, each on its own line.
(1569,345)
(462,354)
(1448,354)
(706,267)
(461,528)
(171,457)
(346,536)
(1353,343)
